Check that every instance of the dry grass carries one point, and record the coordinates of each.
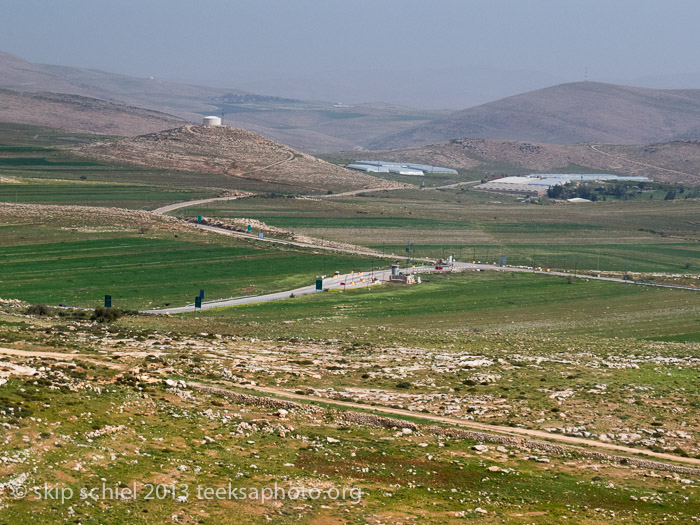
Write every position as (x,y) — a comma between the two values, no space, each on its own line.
(671,162)
(233,152)
(81,114)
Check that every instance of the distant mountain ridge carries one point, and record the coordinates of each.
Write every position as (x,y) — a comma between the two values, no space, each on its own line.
(568,114)
(310,126)
(178,99)
(79,113)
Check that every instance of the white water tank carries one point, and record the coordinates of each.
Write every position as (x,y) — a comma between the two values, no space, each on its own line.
(211,121)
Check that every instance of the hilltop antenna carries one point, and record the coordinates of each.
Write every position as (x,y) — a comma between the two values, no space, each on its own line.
(222,117)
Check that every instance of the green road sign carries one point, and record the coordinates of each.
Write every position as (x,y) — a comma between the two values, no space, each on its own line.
(198,302)
(108,301)
(319,284)
(199,219)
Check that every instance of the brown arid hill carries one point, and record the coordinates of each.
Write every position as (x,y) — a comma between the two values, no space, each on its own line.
(311,126)
(233,152)
(83,114)
(677,161)
(568,114)
(183,100)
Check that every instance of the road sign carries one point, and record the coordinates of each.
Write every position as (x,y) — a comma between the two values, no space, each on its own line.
(197,302)
(199,219)
(319,284)
(250,227)
(108,301)
(201,294)
(261,235)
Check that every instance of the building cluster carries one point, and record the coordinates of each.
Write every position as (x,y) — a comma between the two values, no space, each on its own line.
(399,168)
(537,184)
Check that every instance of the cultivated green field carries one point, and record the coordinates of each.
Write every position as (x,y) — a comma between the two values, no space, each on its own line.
(475,302)
(141,261)
(84,193)
(637,236)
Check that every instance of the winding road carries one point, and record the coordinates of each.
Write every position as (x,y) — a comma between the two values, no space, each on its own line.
(359,279)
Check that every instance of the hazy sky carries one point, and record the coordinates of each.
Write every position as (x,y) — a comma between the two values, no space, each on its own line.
(247,43)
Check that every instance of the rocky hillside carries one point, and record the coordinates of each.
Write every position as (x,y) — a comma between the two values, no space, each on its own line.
(677,161)
(233,152)
(568,114)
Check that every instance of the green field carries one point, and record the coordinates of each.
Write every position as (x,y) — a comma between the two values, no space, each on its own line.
(88,399)
(85,193)
(151,269)
(161,439)
(481,301)
(649,236)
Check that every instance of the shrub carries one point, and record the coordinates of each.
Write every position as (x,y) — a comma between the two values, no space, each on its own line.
(403,384)
(38,309)
(106,315)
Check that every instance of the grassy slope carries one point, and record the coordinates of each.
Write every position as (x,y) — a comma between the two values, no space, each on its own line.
(515,303)
(143,264)
(400,481)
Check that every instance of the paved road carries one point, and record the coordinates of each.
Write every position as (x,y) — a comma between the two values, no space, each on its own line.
(359,279)
(460,266)
(343,282)
(364,279)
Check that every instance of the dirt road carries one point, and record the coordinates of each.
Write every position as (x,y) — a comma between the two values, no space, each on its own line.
(473,425)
